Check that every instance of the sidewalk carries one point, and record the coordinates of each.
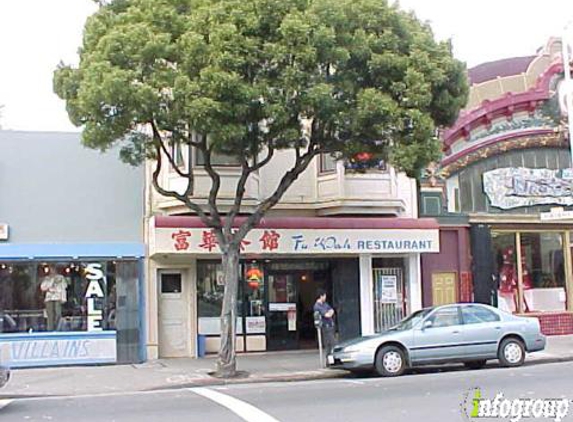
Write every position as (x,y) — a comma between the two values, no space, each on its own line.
(177,373)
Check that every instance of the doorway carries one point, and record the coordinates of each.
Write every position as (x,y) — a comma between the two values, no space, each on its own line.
(291,294)
(174,339)
(389,292)
(444,288)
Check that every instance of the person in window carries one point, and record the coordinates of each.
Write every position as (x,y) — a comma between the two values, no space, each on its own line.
(327,319)
(54,287)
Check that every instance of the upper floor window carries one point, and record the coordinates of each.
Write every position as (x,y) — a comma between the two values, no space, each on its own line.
(327,163)
(176,152)
(217,159)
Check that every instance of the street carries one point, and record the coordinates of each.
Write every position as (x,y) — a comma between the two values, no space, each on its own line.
(429,394)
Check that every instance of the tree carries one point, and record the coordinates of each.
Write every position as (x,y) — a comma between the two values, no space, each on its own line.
(249,77)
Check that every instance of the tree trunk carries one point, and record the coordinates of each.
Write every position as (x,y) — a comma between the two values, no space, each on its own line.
(227,364)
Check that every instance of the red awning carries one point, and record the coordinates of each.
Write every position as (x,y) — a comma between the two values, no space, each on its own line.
(310,222)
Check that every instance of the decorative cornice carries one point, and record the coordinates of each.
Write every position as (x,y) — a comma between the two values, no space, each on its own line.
(505,105)
(503,144)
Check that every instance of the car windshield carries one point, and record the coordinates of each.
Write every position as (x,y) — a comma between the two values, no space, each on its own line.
(411,320)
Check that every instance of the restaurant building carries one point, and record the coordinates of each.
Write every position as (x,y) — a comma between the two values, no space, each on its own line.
(352,233)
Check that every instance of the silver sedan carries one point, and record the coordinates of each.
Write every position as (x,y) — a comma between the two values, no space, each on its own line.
(467,333)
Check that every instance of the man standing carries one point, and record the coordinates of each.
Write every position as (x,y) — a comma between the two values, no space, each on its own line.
(327,318)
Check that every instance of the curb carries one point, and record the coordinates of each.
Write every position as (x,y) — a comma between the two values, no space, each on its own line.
(259,379)
(255,379)
(552,359)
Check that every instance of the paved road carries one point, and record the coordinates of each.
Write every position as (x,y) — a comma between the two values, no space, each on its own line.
(430,395)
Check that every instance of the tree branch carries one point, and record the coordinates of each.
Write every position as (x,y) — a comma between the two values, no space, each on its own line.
(209,222)
(170,158)
(300,165)
(241,185)
(215,180)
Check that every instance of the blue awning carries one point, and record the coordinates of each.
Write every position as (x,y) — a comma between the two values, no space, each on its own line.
(18,251)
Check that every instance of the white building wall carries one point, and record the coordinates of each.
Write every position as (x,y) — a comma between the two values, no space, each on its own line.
(414,285)
(406,190)
(366,295)
(303,189)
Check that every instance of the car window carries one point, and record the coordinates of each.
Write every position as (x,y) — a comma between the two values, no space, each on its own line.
(445,317)
(412,320)
(478,314)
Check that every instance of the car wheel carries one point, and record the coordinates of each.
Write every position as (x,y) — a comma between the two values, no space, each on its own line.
(511,352)
(475,364)
(390,361)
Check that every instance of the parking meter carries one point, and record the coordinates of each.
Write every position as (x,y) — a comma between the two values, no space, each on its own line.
(317,319)
(318,325)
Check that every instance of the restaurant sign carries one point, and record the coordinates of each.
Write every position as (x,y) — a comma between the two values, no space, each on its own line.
(514,187)
(301,241)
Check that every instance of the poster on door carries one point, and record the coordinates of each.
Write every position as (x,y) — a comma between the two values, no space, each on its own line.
(389,284)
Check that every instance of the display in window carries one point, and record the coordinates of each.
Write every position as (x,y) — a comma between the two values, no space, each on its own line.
(254,276)
(57,296)
(542,272)
(508,277)
(54,287)
(543,257)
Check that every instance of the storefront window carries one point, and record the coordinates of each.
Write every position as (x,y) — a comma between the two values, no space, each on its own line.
(542,278)
(254,294)
(506,257)
(57,296)
(543,272)
(210,288)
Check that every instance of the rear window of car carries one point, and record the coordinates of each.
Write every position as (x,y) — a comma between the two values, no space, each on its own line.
(478,315)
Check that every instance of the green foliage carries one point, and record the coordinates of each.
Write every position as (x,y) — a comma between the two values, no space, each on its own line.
(248,72)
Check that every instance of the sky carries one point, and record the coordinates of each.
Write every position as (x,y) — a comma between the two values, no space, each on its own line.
(36,35)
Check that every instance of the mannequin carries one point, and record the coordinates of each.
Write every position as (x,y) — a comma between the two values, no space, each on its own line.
(54,287)
(508,281)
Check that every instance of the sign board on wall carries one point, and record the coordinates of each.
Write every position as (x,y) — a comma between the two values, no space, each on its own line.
(256,325)
(4,231)
(303,241)
(389,289)
(514,187)
(49,349)
(556,214)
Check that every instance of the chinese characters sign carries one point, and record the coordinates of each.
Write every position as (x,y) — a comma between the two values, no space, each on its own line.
(180,239)
(303,241)
(512,187)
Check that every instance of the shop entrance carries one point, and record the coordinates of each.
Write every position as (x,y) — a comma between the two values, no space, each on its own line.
(292,288)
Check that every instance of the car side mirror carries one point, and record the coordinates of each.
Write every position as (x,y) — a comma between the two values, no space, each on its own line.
(427,324)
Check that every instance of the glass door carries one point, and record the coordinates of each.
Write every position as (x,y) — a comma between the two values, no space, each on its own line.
(282,331)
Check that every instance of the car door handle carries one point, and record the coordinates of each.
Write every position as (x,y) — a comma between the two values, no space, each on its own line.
(498,328)
(455,332)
